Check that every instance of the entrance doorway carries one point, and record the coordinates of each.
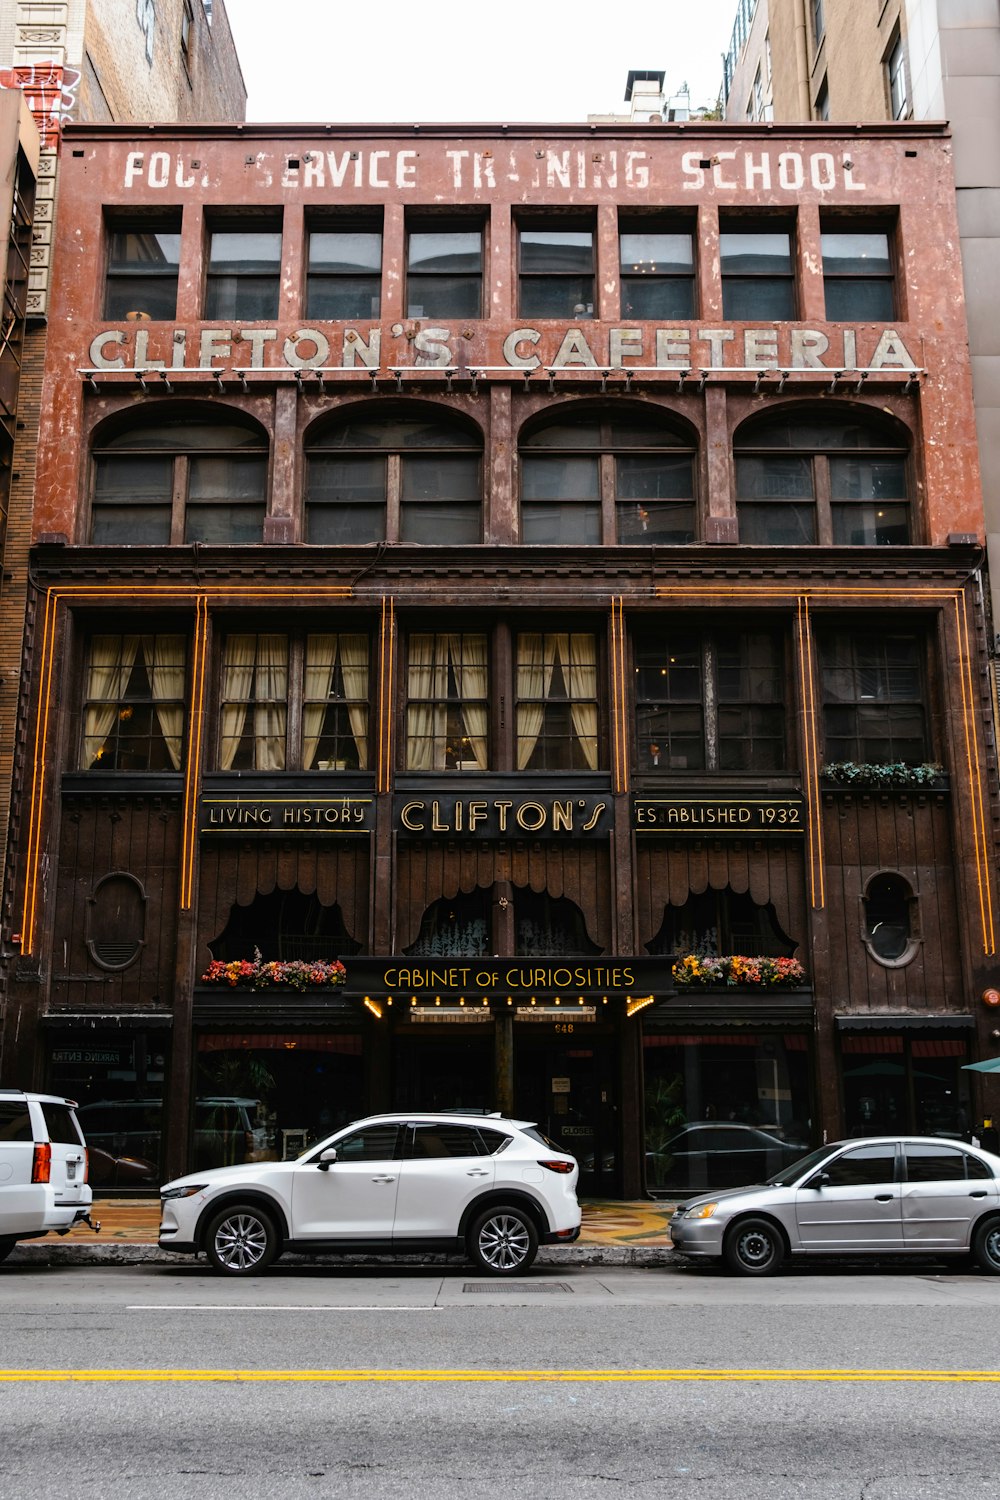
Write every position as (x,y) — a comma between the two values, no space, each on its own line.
(569,1088)
(443,1072)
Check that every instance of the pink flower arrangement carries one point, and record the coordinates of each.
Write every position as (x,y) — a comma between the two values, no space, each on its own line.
(242,973)
(762,972)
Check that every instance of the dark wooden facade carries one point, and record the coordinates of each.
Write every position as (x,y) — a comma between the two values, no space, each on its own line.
(570,887)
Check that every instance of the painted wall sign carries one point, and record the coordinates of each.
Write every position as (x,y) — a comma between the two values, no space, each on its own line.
(698,815)
(328,346)
(348,169)
(504,817)
(284,815)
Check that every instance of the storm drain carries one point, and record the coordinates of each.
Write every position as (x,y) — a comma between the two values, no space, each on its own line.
(517,1286)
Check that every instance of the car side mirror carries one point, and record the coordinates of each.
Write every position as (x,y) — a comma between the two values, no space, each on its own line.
(821,1180)
(327,1159)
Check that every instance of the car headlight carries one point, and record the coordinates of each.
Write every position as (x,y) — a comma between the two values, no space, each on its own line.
(187,1190)
(703,1211)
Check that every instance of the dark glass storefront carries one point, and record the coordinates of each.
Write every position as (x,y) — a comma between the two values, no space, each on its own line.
(905,1082)
(119,1079)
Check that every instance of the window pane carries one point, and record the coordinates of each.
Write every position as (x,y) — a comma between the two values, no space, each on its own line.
(560,478)
(251,298)
(347,479)
(562,297)
(873,525)
(254,699)
(863,1167)
(443,1142)
(935,1164)
(345,525)
(446,253)
(653,297)
(440,478)
(557,712)
(344,297)
(152,296)
(374,1143)
(343,252)
(656,254)
(547,525)
(444,297)
(654,477)
(756,298)
(438,522)
(447,720)
(559,250)
(856,300)
(867,478)
(142,273)
(372,431)
(245,253)
(134,709)
(786,525)
(856,254)
(335,703)
(653,524)
(755,254)
(144,252)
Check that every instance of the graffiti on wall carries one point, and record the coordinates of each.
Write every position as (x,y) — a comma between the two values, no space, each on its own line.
(49,90)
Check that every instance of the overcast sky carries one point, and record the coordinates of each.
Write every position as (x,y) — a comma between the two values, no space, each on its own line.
(448,60)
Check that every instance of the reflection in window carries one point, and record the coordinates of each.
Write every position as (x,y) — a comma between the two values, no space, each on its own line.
(143,266)
(657,274)
(254,703)
(804,478)
(587,480)
(557,715)
(345,274)
(444,273)
(556,273)
(134,708)
(447,713)
(180,480)
(244,277)
(372,479)
(872,685)
(711,701)
(857,276)
(545,924)
(757,273)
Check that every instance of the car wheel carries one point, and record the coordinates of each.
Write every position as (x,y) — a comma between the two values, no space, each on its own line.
(7,1243)
(754,1247)
(503,1241)
(986,1247)
(241,1240)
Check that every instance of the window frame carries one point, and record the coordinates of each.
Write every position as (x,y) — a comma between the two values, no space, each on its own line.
(296,699)
(832,224)
(117,274)
(586,308)
(227,222)
(910,901)
(417,225)
(673,225)
(609,456)
(733,223)
(831,657)
(897,68)
(317,279)
(151,704)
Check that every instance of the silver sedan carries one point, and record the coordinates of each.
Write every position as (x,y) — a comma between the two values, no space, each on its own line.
(917,1195)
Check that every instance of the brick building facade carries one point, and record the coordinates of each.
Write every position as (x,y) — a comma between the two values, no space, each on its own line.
(538,569)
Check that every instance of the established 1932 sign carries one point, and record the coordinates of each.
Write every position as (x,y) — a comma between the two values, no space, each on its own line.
(699,815)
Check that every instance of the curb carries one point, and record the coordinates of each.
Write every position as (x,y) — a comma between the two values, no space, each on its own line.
(127,1253)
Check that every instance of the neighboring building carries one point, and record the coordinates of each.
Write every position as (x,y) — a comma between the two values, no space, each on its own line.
(470,553)
(904,59)
(107,60)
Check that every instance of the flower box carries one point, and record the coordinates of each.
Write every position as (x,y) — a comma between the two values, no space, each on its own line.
(738,971)
(272,974)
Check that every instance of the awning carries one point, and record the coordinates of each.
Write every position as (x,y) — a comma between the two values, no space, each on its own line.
(988,1065)
(911,1022)
(89,1020)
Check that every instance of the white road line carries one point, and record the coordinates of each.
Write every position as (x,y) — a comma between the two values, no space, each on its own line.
(242,1307)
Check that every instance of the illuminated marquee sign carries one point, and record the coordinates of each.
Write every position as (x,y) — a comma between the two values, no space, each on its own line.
(551,986)
(700,815)
(543,816)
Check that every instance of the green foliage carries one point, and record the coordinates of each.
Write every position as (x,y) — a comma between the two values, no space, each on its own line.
(891,773)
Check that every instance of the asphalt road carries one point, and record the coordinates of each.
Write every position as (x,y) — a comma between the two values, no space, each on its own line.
(154,1381)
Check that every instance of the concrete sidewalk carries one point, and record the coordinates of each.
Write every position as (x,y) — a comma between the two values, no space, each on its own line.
(613,1233)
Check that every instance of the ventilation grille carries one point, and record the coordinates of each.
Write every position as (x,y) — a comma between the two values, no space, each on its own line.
(115,955)
(516,1286)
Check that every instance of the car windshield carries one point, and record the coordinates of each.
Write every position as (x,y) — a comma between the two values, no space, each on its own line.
(798,1168)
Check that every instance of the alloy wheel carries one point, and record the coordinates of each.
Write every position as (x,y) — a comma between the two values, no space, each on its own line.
(504,1242)
(241,1242)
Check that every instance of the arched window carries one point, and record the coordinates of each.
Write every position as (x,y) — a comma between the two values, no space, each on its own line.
(828,477)
(593,479)
(398,479)
(715,923)
(182,479)
(888,922)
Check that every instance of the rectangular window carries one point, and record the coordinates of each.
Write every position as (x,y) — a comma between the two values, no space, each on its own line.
(873,696)
(560,499)
(135,705)
(899,93)
(758,281)
(133,499)
(657,273)
(775,499)
(557,702)
(447,703)
(857,276)
(187,27)
(714,702)
(226,499)
(868,503)
(335,703)
(439,498)
(818,21)
(556,274)
(444,273)
(347,499)
(345,274)
(253,703)
(244,274)
(143,266)
(653,498)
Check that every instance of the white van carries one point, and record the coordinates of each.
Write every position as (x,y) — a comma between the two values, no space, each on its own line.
(43,1168)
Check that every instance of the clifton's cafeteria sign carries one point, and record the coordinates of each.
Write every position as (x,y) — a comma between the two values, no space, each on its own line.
(556,347)
(503,817)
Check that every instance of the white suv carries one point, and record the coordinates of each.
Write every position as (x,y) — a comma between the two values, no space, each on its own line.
(43,1168)
(394,1184)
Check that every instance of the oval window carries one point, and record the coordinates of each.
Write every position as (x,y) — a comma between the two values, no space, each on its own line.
(888,924)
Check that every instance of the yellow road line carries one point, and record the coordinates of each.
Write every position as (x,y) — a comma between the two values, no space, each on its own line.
(949,1377)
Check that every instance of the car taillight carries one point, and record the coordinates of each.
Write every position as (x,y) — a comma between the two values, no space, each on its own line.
(86,1164)
(555,1165)
(41,1162)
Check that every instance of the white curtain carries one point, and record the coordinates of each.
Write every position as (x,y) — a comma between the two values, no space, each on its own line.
(237,685)
(165,667)
(321,660)
(354,667)
(582,669)
(468,662)
(427,719)
(271,706)
(111,660)
(536,658)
